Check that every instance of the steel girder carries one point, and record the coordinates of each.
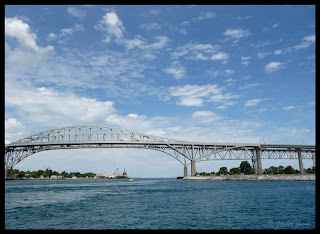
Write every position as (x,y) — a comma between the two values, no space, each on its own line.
(92,136)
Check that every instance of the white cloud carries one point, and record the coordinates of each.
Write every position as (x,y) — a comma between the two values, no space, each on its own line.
(228,80)
(305,43)
(274,66)
(275,25)
(76,12)
(52,36)
(261,110)
(277,52)
(311,38)
(245,60)
(252,102)
(195,95)
(13,129)
(50,107)
(249,85)
(206,15)
(150,26)
(155,12)
(220,56)
(112,25)
(21,31)
(288,107)
(25,49)
(195,51)
(69,31)
(226,104)
(263,55)
(206,116)
(237,33)
(176,70)
(229,72)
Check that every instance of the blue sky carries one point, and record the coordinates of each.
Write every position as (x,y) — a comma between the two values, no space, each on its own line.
(194,73)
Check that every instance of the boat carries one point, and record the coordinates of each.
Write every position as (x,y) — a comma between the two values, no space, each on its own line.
(131,179)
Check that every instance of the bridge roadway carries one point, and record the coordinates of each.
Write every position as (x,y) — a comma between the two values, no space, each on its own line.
(187,153)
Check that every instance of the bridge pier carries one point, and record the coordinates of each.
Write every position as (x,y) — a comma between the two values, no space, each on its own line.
(8,173)
(259,163)
(193,168)
(300,161)
(185,171)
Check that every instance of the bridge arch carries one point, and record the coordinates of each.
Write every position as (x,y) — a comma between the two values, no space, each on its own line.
(95,136)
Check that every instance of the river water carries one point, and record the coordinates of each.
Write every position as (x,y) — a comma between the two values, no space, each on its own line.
(159,204)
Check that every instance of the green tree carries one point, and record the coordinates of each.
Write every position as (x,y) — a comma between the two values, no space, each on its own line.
(289,170)
(246,168)
(21,174)
(235,171)
(223,171)
(280,169)
(15,171)
(39,173)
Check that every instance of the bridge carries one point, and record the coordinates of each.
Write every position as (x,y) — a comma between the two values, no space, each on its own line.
(187,153)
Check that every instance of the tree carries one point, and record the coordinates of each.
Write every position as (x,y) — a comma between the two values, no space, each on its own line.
(39,173)
(280,169)
(234,171)
(289,170)
(246,168)
(223,170)
(21,174)
(15,171)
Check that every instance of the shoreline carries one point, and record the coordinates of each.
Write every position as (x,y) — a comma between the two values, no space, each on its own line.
(281,177)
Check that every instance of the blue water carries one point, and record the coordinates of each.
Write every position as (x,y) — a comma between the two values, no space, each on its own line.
(159,204)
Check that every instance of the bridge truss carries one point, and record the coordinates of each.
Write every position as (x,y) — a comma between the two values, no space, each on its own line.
(92,136)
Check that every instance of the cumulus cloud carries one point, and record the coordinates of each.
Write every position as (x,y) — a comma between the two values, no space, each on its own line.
(111,24)
(26,47)
(13,129)
(21,31)
(51,107)
(274,66)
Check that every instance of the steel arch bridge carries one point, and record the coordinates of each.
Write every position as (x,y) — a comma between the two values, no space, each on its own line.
(94,136)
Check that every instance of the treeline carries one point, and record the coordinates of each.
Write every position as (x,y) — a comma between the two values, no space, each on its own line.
(245,168)
(49,173)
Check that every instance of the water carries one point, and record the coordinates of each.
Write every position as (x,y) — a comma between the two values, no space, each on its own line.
(159,204)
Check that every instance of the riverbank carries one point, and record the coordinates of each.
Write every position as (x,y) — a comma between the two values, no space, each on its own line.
(304,177)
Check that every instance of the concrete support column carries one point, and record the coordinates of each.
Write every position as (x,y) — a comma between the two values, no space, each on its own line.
(259,164)
(185,172)
(300,162)
(8,173)
(193,168)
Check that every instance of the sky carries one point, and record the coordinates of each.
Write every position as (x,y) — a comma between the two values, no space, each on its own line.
(211,73)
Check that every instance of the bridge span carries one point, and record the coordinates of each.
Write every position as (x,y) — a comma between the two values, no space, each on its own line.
(187,153)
